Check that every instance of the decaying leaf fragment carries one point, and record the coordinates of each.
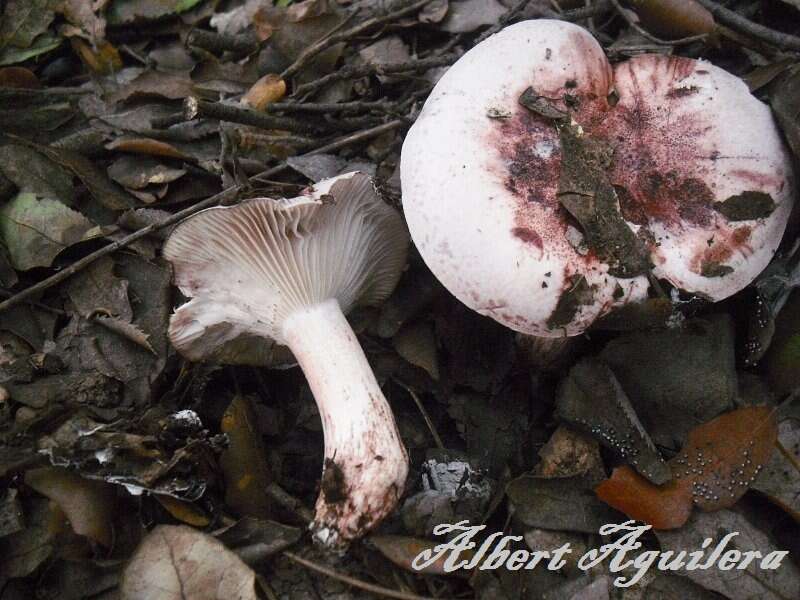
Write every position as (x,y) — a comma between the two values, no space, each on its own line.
(35,230)
(718,464)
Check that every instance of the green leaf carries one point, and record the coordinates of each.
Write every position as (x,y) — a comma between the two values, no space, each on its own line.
(36,230)
(44,43)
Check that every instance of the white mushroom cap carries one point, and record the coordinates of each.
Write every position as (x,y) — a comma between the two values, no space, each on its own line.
(247,267)
(480,177)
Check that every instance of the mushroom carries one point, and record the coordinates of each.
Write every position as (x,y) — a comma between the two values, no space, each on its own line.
(545,187)
(288,271)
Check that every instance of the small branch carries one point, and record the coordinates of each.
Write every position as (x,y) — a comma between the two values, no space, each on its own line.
(791,458)
(597,8)
(289,502)
(356,583)
(194,108)
(248,139)
(226,196)
(725,16)
(353,71)
(217,43)
(329,107)
(425,415)
(359,29)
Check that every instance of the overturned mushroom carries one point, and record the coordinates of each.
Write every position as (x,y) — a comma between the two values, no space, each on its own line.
(543,186)
(288,270)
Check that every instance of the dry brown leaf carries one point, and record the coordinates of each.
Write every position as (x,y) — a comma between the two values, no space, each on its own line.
(18,77)
(88,504)
(299,11)
(716,467)
(244,463)
(183,511)
(674,18)
(568,453)
(402,550)
(102,58)
(124,328)
(179,563)
(270,88)
(417,344)
(147,146)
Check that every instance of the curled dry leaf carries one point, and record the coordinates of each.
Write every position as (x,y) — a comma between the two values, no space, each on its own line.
(147,146)
(178,563)
(88,504)
(186,512)
(124,328)
(270,88)
(716,467)
(417,344)
(674,18)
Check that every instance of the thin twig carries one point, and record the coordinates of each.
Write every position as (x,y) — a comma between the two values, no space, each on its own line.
(289,502)
(357,30)
(424,413)
(737,22)
(194,108)
(649,36)
(329,107)
(353,71)
(217,43)
(226,196)
(356,583)
(791,458)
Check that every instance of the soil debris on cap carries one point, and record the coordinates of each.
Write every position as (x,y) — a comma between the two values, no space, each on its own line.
(586,192)
(747,206)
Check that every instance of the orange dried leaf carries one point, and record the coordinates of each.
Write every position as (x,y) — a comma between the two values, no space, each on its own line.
(674,18)
(146,146)
(266,90)
(719,462)
(665,506)
(723,457)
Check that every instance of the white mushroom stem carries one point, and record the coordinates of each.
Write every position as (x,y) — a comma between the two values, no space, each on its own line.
(365,461)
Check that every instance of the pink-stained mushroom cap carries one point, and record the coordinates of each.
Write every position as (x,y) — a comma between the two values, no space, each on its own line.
(692,164)
(287,271)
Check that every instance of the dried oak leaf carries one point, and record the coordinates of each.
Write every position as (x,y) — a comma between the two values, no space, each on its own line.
(715,468)
(177,562)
